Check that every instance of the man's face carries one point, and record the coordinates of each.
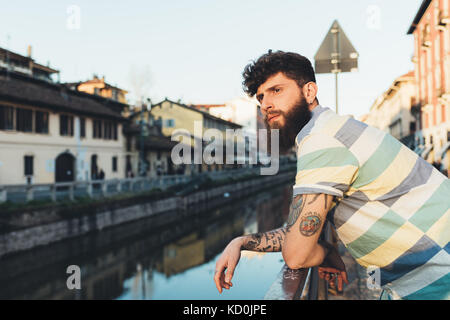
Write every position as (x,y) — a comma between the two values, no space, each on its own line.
(284,107)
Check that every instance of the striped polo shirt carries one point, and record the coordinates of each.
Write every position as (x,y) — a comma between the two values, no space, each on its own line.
(391,206)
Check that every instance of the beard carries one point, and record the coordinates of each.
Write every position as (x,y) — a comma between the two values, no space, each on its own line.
(294,120)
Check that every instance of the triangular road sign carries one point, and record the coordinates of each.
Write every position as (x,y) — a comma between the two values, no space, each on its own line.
(336,53)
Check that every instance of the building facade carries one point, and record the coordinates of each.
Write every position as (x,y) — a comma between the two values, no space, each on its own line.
(98,86)
(49,133)
(148,151)
(393,110)
(194,123)
(242,111)
(431,30)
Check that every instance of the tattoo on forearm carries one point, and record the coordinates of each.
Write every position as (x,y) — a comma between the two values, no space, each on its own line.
(296,208)
(265,242)
(310,223)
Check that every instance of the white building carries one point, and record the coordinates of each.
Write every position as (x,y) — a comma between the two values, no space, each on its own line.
(242,111)
(49,133)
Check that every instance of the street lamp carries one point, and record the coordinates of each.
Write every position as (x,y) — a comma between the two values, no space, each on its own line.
(143,135)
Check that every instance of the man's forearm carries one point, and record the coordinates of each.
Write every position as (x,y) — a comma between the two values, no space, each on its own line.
(270,241)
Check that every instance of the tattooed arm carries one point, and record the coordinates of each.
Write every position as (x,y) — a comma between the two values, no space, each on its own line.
(270,241)
(262,242)
(300,247)
(293,247)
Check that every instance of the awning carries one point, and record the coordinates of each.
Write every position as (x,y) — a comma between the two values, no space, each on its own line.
(443,150)
(427,151)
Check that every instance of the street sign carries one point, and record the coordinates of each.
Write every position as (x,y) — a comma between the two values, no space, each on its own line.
(336,54)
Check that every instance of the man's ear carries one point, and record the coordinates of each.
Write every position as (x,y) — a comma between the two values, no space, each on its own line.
(310,91)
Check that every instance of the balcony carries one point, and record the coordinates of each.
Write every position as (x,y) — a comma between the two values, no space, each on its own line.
(443,21)
(426,41)
(426,44)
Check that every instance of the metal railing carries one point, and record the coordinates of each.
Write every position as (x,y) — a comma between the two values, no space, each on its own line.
(301,284)
(21,193)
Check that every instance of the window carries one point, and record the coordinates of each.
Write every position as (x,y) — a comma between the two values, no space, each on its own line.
(66,125)
(108,131)
(6,118)
(82,127)
(395,128)
(412,127)
(28,165)
(114,164)
(97,129)
(128,141)
(115,131)
(105,129)
(24,120)
(170,123)
(41,122)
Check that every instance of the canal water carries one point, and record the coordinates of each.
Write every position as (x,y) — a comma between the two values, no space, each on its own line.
(139,261)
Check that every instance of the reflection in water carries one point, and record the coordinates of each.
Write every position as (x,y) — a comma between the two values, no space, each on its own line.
(139,261)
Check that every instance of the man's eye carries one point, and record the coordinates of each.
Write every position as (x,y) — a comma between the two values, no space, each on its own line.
(277,90)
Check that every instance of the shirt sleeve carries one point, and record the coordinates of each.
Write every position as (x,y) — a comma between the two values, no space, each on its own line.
(324,165)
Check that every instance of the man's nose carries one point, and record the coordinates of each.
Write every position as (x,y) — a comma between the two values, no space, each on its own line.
(266,105)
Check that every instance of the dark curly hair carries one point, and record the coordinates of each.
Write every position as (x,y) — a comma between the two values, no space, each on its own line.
(293,65)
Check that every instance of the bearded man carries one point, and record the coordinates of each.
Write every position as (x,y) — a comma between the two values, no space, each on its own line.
(388,206)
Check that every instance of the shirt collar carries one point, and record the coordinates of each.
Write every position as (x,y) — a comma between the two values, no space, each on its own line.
(315,113)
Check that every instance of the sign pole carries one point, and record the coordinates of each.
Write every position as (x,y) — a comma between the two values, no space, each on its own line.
(336,77)
(336,54)
(336,59)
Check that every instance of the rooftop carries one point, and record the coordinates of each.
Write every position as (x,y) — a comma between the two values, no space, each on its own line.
(24,89)
(418,17)
(206,114)
(26,61)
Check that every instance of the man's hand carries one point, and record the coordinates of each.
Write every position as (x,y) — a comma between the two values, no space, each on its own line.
(227,261)
(333,268)
(270,241)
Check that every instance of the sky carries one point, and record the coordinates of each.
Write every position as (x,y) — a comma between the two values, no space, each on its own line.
(196,50)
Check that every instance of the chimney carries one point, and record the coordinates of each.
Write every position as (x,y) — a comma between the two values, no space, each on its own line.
(29,51)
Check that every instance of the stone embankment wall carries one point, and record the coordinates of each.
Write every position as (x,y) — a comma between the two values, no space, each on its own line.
(163,211)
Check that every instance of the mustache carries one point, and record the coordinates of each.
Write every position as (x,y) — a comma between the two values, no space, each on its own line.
(273,113)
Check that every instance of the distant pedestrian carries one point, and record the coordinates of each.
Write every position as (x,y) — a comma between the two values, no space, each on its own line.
(101,175)
(159,170)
